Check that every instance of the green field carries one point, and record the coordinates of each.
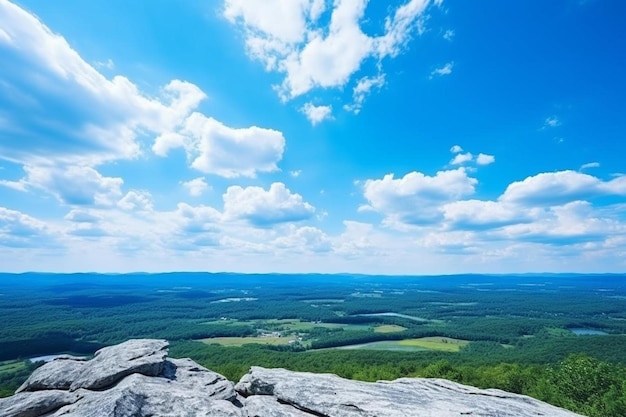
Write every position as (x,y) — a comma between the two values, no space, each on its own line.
(240,341)
(389,328)
(11,366)
(444,344)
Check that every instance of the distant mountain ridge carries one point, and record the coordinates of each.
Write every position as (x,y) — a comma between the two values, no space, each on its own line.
(137,379)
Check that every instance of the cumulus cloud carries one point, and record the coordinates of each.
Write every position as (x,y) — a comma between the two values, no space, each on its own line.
(456,149)
(265,208)
(553,188)
(102,119)
(196,187)
(215,148)
(305,239)
(462,158)
(198,219)
(19,230)
(317,114)
(442,71)
(568,224)
(484,159)
(479,215)
(415,198)
(75,185)
(289,37)
(136,201)
(60,110)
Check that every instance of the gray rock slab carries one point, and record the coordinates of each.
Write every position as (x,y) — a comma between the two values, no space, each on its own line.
(268,406)
(56,374)
(111,364)
(141,396)
(330,395)
(192,376)
(35,404)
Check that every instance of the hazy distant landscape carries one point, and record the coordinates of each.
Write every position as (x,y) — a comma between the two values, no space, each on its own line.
(521,333)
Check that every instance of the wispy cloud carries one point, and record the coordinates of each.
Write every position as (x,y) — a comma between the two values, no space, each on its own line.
(442,71)
(589,165)
(552,121)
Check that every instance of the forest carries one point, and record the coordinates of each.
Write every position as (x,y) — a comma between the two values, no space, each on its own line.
(558,338)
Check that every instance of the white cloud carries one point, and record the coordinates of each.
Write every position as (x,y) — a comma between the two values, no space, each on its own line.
(462,158)
(573,223)
(19,230)
(484,159)
(287,36)
(589,165)
(109,64)
(136,201)
(448,35)
(415,198)
(82,216)
(553,188)
(104,120)
(74,185)
(317,114)
(215,148)
(551,121)
(265,208)
(442,71)
(362,89)
(305,239)
(296,173)
(196,187)
(199,223)
(456,149)
(477,214)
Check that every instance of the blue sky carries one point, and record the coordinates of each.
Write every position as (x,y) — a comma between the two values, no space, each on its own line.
(397,137)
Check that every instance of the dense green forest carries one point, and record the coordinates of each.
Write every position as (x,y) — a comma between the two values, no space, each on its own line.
(559,338)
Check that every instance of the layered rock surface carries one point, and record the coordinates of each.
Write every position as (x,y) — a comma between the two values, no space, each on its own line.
(137,379)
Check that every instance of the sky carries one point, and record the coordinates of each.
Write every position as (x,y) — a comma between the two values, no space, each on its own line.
(382,137)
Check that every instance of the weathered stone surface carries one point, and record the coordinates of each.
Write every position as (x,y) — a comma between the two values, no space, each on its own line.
(57,374)
(141,396)
(268,406)
(110,364)
(135,379)
(329,395)
(34,404)
(194,377)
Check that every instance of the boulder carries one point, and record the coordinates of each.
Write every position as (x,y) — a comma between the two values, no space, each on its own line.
(35,404)
(110,364)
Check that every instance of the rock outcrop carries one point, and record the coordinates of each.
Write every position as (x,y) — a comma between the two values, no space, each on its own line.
(136,379)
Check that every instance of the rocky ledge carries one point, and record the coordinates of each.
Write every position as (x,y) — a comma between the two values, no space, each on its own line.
(137,379)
